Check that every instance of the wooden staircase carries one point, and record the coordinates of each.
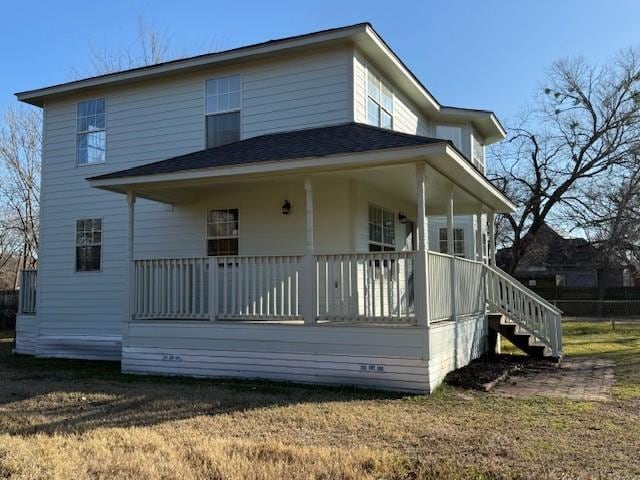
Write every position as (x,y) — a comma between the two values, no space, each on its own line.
(527,320)
(525,341)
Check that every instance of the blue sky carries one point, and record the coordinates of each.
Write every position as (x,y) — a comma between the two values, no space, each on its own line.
(484,54)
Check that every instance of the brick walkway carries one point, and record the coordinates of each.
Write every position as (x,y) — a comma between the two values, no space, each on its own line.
(583,379)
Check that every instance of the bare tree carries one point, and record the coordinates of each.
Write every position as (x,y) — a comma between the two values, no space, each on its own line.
(584,128)
(20,153)
(151,46)
(609,215)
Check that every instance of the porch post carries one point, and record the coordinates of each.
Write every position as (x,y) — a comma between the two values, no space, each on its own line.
(309,284)
(492,238)
(479,243)
(421,295)
(131,204)
(451,251)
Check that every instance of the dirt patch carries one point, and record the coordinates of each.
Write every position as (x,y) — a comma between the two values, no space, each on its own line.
(485,372)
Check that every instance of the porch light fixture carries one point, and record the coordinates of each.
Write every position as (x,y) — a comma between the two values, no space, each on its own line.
(402,218)
(286,207)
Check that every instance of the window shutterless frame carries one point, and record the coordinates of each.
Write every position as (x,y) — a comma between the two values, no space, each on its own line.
(78,133)
(75,240)
(206,229)
(205,114)
(381,243)
(379,103)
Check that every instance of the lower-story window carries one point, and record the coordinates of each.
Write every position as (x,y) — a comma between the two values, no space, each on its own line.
(458,241)
(222,232)
(382,230)
(88,244)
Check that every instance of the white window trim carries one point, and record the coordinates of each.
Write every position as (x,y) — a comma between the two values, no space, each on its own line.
(381,244)
(462,254)
(367,97)
(106,103)
(204,105)
(206,230)
(75,245)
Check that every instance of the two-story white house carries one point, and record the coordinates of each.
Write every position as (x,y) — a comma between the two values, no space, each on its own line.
(301,209)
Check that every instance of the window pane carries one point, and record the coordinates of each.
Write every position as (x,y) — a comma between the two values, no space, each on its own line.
(373,113)
(386,98)
(211,87)
(211,104)
(373,86)
(223,85)
(234,100)
(96,143)
(82,124)
(223,128)
(100,106)
(234,83)
(82,109)
(385,120)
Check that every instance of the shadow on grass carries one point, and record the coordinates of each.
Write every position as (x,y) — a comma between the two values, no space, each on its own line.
(64,396)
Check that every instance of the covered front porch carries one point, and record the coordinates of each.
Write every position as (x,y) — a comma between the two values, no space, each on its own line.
(343,247)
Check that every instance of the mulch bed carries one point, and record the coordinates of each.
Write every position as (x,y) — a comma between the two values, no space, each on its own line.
(485,372)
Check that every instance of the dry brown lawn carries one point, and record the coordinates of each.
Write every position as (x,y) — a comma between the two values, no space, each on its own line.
(80,420)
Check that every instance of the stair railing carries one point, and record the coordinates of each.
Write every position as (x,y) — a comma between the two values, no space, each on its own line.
(525,308)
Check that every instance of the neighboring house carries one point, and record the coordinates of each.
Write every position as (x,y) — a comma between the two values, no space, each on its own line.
(267,212)
(554,259)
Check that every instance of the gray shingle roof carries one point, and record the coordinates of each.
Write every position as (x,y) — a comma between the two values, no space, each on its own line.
(292,145)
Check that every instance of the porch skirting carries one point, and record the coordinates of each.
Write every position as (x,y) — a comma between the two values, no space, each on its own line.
(376,357)
(453,345)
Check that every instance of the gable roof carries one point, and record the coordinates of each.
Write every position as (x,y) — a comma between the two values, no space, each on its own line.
(292,145)
(362,35)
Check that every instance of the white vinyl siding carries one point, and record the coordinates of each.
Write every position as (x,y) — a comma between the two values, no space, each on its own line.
(452,133)
(406,116)
(314,354)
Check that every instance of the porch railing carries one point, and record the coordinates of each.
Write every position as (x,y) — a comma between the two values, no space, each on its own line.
(469,287)
(268,287)
(365,286)
(27,295)
(171,288)
(439,271)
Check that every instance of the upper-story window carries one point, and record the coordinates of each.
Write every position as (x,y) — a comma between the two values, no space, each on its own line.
(91,132)
(449,132)
(477,151)
(222,110)
(379,103)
